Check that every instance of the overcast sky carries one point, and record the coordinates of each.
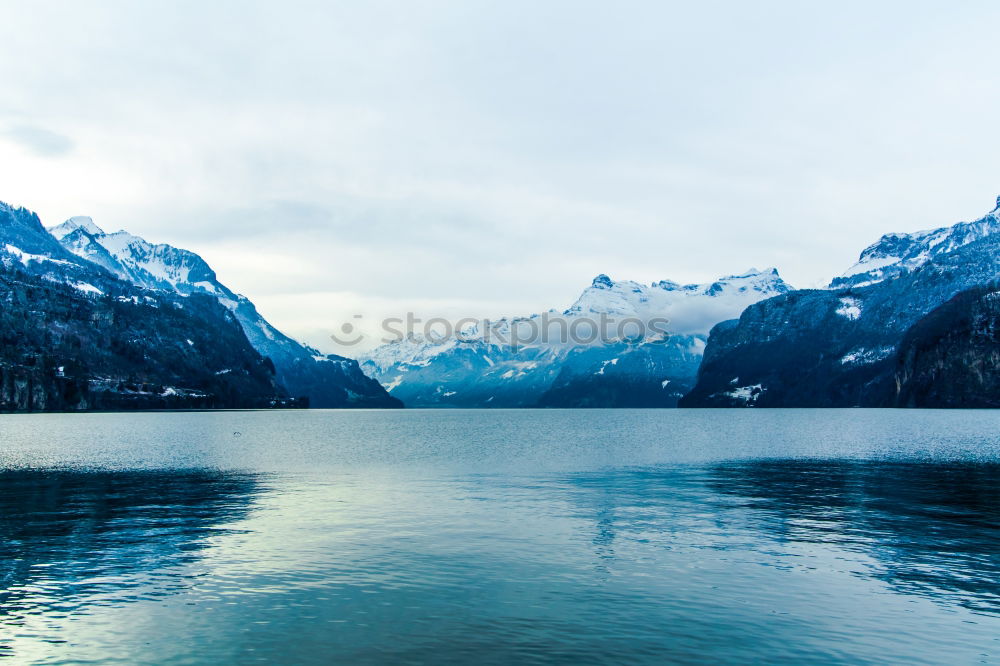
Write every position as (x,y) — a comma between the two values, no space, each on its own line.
(488,158)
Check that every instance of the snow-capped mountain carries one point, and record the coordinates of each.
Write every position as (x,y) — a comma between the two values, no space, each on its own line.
(647,355)
(26,243)
(327,380)
(76,337)
(691,308)
(859,343)
(133,259)
(898,253)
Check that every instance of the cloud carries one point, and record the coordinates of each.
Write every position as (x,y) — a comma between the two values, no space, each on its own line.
(501,154)
(41,141)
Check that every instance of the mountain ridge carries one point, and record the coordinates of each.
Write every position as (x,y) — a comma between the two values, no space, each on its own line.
(839,347)
(327,380)
(75,337)
(640,364)
(896,253)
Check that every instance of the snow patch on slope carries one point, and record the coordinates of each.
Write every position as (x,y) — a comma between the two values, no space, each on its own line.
(850,308)
(747,394)
(26,257)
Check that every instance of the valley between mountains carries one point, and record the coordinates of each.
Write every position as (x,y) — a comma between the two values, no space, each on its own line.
(93,320)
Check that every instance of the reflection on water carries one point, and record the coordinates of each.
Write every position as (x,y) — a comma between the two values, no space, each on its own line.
(934,528)
(72,540)
(321,556)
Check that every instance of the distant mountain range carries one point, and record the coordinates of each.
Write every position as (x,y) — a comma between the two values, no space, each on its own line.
(650,368)
(93,265)
(95,320)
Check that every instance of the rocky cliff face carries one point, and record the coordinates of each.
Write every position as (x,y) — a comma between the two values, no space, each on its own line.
(110,346)
(837,347)
(647,375)
(951,357)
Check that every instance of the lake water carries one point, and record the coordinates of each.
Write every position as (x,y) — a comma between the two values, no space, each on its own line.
(501,537)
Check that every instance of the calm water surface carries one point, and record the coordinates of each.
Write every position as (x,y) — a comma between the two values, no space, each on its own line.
(501,537)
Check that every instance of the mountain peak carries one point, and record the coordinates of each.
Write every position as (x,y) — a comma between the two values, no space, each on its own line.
(60,231)
(22,230)
(692,308)
(602,281)
(666,285)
